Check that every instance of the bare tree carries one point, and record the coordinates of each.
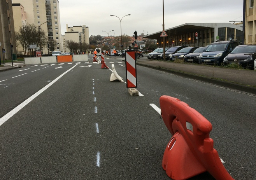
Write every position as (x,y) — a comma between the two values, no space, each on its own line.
(30,34)
(73,46)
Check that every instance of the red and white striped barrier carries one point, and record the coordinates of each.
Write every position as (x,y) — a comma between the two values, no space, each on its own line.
(131,73)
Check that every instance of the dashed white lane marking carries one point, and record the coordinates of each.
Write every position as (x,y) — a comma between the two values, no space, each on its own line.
(97,128)
(58,67)
(98,159)
(95,110)
(31,98)
(157,109)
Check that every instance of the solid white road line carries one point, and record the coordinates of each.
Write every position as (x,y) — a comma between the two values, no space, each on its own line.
(157,109)
(31,98)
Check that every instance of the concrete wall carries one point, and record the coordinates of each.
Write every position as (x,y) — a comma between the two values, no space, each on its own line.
(49,59)
(80,57)
(33,60)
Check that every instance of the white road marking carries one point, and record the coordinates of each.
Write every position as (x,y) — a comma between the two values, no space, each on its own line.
(97,128)
(98,159)
(31,98)
(94,100)
(157,109)
(95,110)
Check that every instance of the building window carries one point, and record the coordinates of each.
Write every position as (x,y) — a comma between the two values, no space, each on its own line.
(38,17)
(251,3)
(37,1)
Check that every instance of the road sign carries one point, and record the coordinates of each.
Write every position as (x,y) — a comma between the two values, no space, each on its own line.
(196,34)
(163,34)
(32,46)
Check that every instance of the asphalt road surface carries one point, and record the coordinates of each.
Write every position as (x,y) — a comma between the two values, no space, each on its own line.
(68,121)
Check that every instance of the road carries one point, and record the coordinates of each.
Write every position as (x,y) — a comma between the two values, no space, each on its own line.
(68,121)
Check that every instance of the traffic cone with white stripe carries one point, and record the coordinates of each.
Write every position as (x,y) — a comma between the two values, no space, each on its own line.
(103,65)
(94,58)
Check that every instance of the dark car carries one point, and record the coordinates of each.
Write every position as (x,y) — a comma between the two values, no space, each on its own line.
(171,50)
(215,52)
(243,55)
(193,57)
(155,53)
(181,53)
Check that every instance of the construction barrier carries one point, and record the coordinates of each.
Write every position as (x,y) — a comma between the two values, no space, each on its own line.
(103,65)
(190,151)
(80,57)
(63,59)
(32,60)
(49,59)
(114,76)
(131,73)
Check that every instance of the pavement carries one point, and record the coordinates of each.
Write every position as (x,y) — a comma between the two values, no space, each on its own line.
(240,79)
(10,66)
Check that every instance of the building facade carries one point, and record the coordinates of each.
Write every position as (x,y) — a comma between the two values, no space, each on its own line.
(42,13)
(249,22)
(207,33)
(78,34)
(7,34)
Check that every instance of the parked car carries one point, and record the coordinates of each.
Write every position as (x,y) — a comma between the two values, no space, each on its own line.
(243,55)
(181,53)
(171,50)
(193,57)
(56,53)
(215,52)
(155,53)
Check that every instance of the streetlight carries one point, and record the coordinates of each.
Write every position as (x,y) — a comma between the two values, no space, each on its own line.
(120,19)
(108,32)
(39,27)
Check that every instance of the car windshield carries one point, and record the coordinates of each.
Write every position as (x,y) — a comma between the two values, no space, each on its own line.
(199,50)
(185,50)
(157,50)
(172,49)
(244,49)
(216,47)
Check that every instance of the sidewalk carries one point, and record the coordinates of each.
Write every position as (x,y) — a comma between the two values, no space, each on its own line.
(241,79)
(8,65)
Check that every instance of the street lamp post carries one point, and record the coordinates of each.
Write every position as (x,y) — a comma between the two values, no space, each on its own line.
(120,19)
(108,32)
(39,28)
(163,37)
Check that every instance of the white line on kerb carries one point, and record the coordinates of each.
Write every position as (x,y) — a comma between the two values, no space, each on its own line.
(31,98)
(157,109)
(98,159)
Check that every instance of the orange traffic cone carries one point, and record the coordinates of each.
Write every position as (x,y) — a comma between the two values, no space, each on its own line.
(103,65)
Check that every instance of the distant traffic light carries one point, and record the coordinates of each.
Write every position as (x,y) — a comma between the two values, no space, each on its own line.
(135,34)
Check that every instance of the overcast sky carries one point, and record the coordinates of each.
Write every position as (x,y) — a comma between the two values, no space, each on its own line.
(146,15)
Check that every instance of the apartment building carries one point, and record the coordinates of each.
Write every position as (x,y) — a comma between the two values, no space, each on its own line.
(42,13)
(7,35)
(20,20)
(250,22)
(79,34)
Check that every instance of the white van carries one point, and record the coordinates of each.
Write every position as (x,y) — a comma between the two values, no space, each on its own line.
(56,53)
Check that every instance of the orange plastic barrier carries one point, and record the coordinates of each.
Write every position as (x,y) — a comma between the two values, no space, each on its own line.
(66,58)
(103,65)
(190,151)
